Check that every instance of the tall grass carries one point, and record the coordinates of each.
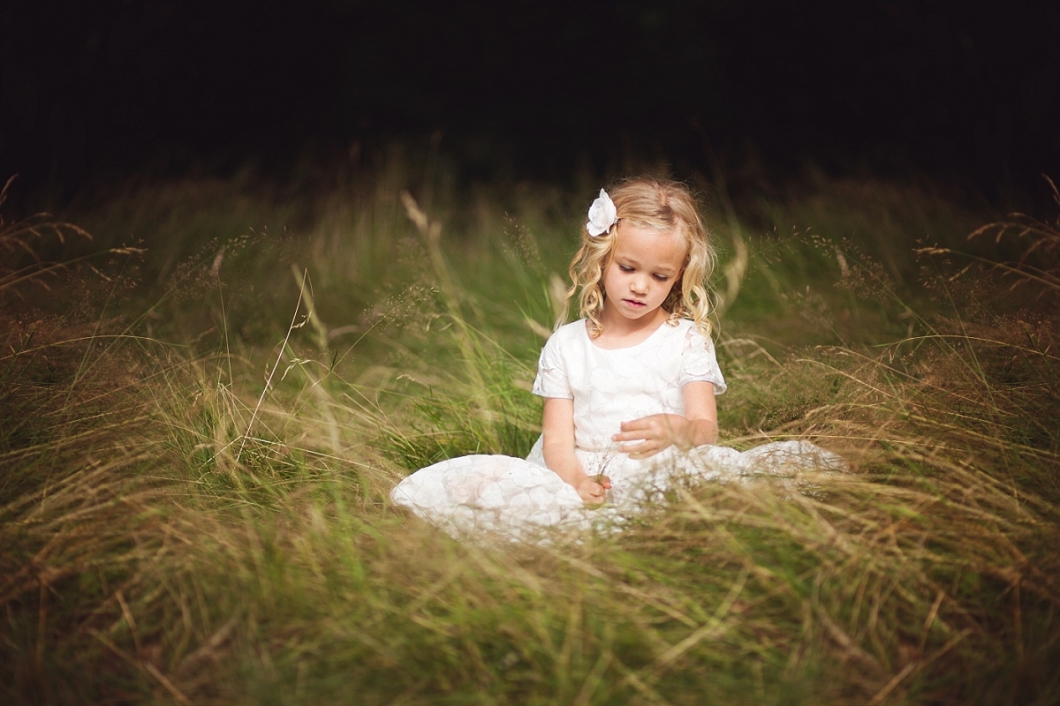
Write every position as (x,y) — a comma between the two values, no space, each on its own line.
(204,517)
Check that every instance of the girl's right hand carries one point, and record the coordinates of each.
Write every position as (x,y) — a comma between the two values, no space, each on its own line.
(592,491)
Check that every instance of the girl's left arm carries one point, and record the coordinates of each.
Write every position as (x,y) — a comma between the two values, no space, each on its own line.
(658,432)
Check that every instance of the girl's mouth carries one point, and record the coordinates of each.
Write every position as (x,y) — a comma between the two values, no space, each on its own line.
(634,303)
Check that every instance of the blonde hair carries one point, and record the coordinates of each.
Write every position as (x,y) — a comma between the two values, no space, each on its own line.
(662,205)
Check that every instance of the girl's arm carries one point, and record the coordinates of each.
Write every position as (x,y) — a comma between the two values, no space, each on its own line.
(558,448)
(657,432)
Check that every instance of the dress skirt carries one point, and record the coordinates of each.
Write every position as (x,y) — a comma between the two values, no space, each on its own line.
(520,498)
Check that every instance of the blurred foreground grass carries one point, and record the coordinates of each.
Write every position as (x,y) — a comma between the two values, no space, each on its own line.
(197,445)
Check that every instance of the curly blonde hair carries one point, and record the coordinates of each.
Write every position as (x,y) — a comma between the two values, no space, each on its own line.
(662,205)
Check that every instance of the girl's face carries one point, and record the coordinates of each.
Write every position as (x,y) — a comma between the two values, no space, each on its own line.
(644,267)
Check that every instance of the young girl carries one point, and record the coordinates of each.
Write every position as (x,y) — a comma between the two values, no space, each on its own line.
(628,389)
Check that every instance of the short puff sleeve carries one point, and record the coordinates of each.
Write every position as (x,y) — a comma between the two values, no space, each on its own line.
(699,362)
(551,380)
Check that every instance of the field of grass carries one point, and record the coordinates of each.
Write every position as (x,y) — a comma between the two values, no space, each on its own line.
(203,411)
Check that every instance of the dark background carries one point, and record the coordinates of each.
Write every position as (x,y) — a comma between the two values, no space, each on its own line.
(967,93)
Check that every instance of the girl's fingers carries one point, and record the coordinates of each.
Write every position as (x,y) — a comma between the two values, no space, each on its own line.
(642,443)
(591,491)
(643,450)
(627,436)
(640,455)
(633,435)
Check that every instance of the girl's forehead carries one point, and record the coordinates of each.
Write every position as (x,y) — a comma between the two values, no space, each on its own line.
(663,247)
(632,231)
(630,225)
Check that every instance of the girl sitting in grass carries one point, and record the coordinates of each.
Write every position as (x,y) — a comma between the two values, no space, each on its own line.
(629,389)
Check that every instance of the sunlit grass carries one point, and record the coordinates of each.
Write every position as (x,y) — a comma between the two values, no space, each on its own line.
(194,506)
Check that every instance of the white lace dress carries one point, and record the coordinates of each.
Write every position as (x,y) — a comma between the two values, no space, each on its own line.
(518,497)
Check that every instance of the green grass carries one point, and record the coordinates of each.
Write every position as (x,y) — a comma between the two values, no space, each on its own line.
(194,509)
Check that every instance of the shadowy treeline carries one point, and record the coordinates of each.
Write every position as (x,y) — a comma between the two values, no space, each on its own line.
(102,90)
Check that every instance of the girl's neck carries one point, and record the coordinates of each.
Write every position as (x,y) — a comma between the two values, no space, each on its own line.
(620,332)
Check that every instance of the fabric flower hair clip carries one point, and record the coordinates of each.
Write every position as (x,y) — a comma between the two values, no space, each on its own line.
(602,215)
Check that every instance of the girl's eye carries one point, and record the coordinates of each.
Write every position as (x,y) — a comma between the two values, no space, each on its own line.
(625,268)
(661,278)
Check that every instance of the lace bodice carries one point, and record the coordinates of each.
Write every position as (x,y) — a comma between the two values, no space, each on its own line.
(612,386)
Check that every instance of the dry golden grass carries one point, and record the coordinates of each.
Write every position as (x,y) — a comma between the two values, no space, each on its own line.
(206,521)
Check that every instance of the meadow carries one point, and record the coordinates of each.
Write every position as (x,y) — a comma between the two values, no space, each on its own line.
(209,386)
